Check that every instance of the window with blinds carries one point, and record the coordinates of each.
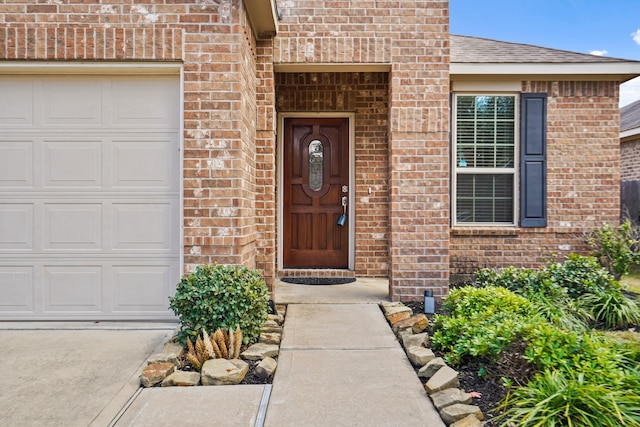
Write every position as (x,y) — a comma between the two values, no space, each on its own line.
(485,159)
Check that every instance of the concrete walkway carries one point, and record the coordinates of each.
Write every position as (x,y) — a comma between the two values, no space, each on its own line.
(339,365)
(73,373)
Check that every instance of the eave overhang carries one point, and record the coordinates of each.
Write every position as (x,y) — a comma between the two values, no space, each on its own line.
(630,134)
(617,71)
(263,15)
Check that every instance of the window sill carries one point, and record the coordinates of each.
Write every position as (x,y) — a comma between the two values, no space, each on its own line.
(485,231)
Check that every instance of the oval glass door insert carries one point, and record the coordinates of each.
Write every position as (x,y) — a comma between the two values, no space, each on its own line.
(316,165)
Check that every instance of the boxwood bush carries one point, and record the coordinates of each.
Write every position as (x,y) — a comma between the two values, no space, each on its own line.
(221,296)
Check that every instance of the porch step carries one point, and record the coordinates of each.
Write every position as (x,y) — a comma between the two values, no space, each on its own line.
(317,272)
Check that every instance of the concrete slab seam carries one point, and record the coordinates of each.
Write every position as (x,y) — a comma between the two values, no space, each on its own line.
(132,384)
(125,407)
(262,410)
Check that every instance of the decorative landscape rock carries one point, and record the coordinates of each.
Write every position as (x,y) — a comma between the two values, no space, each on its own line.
(417,340)
(386,305)
(417,323)
(266,367)
(456,412)
(271,326)
(181,379)
(223,371)
(445,378)
(270,338)
(450,396)
(259,351)
(420,356)
(281,309)
(468,421)
(403,331)
(396,314)
(433,366)
(276,318)
(155,372)
(171,353)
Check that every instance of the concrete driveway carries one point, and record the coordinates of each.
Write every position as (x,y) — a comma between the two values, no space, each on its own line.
(72,374)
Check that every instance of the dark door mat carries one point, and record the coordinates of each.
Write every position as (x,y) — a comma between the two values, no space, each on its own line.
(318,280)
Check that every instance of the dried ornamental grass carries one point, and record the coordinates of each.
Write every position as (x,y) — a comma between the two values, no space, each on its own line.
(222,344)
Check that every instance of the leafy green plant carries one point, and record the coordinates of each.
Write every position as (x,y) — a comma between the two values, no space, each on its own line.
(616,248)
(481,322)
(612,309)
(221,297)
(592,355)
(579,275)
(558,399)
(550,299)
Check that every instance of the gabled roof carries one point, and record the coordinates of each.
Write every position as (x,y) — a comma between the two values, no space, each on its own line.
(469,49)
(630,120)
(480,56)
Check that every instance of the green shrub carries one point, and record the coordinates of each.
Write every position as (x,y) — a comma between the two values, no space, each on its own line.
(558,399)
(550,299)
(579,275)
(518,280)
(481,322)
(592,355)
(576,276)
(616,248)
(221,297)
(611,309)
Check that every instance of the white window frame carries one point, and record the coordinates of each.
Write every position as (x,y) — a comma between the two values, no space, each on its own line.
(489,171)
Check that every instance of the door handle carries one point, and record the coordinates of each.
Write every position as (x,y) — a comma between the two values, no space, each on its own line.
(343,218)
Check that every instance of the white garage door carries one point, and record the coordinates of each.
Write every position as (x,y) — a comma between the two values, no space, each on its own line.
(89,196)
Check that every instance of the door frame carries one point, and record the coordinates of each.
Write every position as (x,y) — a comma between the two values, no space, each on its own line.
(280,179)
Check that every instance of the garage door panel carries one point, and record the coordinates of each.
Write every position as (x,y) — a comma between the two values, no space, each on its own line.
(72,226)
(146,103)
(16,226)
(145,165)
(16,288)
(72,164)
(16,164)
(71,288)
(16,102)
(72,102)
(143,226)
(143,288)
(89,197)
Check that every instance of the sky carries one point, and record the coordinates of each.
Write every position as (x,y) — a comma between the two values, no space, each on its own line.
(602,27)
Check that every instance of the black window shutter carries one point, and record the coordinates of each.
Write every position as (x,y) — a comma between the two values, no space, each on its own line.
(533,160)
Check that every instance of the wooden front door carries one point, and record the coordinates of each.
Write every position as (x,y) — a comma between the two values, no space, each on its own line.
(316,183)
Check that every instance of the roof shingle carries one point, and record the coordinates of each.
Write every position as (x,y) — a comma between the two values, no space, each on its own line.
(630,116)
(467,49)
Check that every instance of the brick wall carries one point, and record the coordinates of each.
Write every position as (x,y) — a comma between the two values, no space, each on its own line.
(413,37)
(266,159)
(214,43)
(368,97)
(630,160)
(583,183)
